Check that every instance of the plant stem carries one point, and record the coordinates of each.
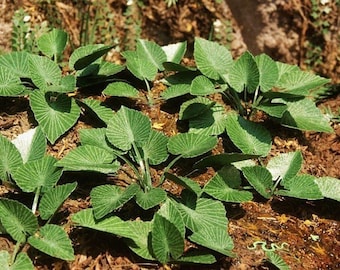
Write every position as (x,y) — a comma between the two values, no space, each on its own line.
(36,199)
(15,252)
(150,99)
(167,168)
(144,176)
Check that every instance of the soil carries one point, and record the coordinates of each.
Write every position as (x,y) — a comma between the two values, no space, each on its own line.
(278,28)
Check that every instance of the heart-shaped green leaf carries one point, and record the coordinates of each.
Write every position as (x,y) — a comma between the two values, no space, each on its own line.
(121,89)
(260,178)
(54,241)
(128,127)
(224,186)
(17,219)
(107,198)
(55,113)
(155,149)
(251,138)
(212,59)
(22,261)
(10,158)
(150,198)
(53,43)
(53,199)
(37,173)
(269,72)
(175,52)
(17,63)
(202,86)
(43,71)
(167,241)
(244,75)
(89,158)
(190,145)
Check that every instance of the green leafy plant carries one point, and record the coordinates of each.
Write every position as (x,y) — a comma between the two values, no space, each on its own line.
(249,84)
(50,90)
(130,138)
(23,163)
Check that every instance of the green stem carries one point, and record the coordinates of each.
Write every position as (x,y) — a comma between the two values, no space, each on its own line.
(147,175)
(36,199)
(130,164)
(150,99)
(15,252)
(141,165)
(167,168)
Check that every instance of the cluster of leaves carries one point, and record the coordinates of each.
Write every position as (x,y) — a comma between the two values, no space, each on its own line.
(23,162)
(197,214)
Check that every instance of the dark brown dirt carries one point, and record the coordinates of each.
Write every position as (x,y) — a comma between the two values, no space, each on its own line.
(279,28)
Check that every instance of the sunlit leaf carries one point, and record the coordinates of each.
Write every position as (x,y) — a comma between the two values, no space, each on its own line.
(112,224)
(155,149)
(224,186)
(277,260)
(37,173)
(89,158)
(202,86)
(31,144)
(244,75)
(121,89)
(10,84)
(302,187)
(212,59)
(53,43)
(153,52)
(54,241)
(203,213)
(53,198)
(128,127)
(329,187)
(285,165)
(43,71)
(22,261)
(176,90)
(251,138)
(167,241)
(17,219)
(139,65)
(260,178)
(82,52)
(10,158)
(139,238)
(190,145)
(304,115)
(55,114)
(215,238)
(150,198)
(268,70)
(107,198)
(66,84)
(17,63)
(211,122)
(175,52)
